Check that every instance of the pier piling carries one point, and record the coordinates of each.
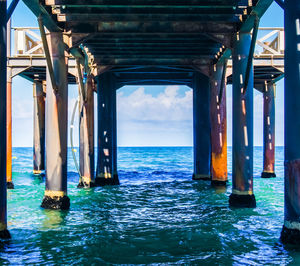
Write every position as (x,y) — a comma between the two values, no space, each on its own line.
(291,228)
(201,118)
(269,131)
(38,127)
(86,134)
(56,126)
(10,184)
(4,233)
(242,128)
(218,125)
(107,155)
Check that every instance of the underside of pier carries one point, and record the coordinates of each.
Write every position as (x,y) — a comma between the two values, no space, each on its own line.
(193,33)
(112,43)
(151,42)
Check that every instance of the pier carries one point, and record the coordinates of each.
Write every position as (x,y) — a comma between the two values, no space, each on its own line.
(102,46)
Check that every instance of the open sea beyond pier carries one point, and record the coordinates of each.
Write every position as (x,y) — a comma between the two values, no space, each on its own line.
(157,215)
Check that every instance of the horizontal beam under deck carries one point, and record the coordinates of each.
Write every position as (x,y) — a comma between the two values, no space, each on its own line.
(184,27)
(129,53)
(80,3)
(77,17)
(150,32)
(200,47)
(154,82)
(152,61)
(146,9)
(34,68)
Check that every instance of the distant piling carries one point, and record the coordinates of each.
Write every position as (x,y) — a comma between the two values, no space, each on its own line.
(86,134)
(201,126)
(38,127)
(269,131)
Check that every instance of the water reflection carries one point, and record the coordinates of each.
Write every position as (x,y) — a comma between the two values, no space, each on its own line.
(54,219)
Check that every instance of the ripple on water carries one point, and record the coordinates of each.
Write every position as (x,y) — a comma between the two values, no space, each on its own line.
(157,215)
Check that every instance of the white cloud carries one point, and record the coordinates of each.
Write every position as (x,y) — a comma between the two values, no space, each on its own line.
(162,120)
(167,106)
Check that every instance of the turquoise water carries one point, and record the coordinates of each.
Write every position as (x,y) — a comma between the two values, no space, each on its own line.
(157,215)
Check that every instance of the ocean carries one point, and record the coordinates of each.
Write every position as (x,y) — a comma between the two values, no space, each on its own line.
(157,215)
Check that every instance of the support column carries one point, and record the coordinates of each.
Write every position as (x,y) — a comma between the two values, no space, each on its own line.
(115,144)
(269,131)
(242,128)
(10,184)
(201,119)
(86,135)
(218,126)
(291,229)
(38,127)
(107,155)
(3,204)
(56,127)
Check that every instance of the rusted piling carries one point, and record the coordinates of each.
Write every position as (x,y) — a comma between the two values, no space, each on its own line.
(86,134)
(107,156)
(269,131)
(56,126)
(38,127)
(291,229)
(218,125)
(242,128)
(201,118)
(3,204)
(10,184)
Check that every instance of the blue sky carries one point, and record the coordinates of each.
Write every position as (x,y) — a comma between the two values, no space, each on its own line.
(147,115)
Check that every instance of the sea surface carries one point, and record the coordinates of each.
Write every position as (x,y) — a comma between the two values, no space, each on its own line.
(157,215)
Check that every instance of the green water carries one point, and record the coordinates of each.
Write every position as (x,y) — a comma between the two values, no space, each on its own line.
(157,215)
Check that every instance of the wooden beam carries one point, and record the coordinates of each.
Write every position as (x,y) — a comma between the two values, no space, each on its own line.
(183,27)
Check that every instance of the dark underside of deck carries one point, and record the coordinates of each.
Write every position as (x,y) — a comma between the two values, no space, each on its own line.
(151,41)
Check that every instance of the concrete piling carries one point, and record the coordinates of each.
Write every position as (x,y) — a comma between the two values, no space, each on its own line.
(201,127)
(269,131)
(56,126)
(242,128)
(38,127)
(86,134)
(107,155)
(218,126)
(291,228)
(4,233)
(10,184)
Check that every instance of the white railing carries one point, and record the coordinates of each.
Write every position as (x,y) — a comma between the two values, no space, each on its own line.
(270,42)
(27,42)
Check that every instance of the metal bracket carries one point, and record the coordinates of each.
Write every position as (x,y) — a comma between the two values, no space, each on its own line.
(11,9)
(280,3)
(222,87)
(80,79)
(251,52)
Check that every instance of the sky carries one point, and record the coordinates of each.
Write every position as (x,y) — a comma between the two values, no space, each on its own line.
(147,115)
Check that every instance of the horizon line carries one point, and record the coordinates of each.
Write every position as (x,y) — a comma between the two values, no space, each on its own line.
(179,146)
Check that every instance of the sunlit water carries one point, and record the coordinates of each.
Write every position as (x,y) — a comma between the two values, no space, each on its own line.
(157,215)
